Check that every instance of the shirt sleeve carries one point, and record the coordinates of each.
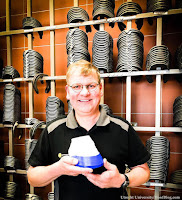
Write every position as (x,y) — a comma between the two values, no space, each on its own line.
(138,153)
(41,153)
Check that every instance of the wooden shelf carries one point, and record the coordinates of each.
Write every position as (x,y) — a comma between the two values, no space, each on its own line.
(148,184)
(19,126)
(160,129)
(137,128)
(104,75)
(164,185)
(93,22)
(18,171)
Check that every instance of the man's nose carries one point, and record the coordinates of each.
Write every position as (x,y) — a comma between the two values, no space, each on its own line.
(84,90)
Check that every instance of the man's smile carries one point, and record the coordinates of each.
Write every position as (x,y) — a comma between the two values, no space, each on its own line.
(84,100)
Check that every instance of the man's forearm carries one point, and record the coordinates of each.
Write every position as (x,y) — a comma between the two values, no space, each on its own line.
(41,175)
(139,175)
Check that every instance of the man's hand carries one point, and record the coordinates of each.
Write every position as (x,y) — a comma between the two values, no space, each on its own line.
(43,175)
(67,166)
(108,179)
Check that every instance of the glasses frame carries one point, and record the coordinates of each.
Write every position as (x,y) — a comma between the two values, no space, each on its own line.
(87,87)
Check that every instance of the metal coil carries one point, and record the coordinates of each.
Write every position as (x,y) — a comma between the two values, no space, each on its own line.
(128,9)
(11,104)
(30,22)
(10,190)
(77,14)
(130,51)
(35,127)
(11,163)
(32,197)
(36,78)
(9,72)
(33,63)
(31,143)
(159,149)
(76,38)
(103,9)
(29,147)
(51,196)
(107,109)
(102,51)
(31,121)
(158,5)
(54,108)
(77,46)
(177,112)
(176,177)
(158,57)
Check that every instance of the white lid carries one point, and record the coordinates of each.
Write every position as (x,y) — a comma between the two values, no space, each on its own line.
(82,146)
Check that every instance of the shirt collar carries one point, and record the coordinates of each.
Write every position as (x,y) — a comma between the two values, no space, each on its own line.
(103,120)
(71,120)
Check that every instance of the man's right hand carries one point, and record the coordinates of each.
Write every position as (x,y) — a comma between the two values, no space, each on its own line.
(43,175)
(67,165)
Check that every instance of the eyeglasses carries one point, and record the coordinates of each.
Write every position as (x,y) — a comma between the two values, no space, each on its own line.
(77,87)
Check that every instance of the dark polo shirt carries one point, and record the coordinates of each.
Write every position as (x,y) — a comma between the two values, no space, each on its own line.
(114,138)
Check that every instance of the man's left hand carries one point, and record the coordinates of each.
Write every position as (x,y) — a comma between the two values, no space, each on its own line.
(108,179)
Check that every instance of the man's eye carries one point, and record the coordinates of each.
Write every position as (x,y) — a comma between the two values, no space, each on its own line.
(76,87)
(91,86)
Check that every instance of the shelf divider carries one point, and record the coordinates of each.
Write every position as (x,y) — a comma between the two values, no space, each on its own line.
(30,85)
(52,47)
(158,97)
(128,83)
(9,63)
(158,103)
(102,28)
(30,47)
(76,3)
(128,96)
(8,38)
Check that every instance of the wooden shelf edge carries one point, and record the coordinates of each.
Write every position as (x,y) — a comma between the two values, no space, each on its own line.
(18,171)
(160,129)
(19,126)
(93,22)
(137,128)
(104,75)
(163,185)
(148,184)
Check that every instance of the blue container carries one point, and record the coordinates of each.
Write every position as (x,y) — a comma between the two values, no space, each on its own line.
(90,161)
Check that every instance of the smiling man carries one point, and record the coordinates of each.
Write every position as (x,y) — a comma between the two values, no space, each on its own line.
(113,136)
(84,92)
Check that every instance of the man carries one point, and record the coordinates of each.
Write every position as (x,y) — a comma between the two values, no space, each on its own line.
(113,136)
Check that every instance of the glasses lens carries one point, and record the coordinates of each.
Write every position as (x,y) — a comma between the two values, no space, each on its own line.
(92,87)
(77,87)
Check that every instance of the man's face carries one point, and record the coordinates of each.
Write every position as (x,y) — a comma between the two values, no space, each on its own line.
(84,102)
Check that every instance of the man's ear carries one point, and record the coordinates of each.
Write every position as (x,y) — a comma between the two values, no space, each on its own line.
(67,92)
(101,89)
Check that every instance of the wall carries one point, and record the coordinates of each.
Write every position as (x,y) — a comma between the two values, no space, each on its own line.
(143,93)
